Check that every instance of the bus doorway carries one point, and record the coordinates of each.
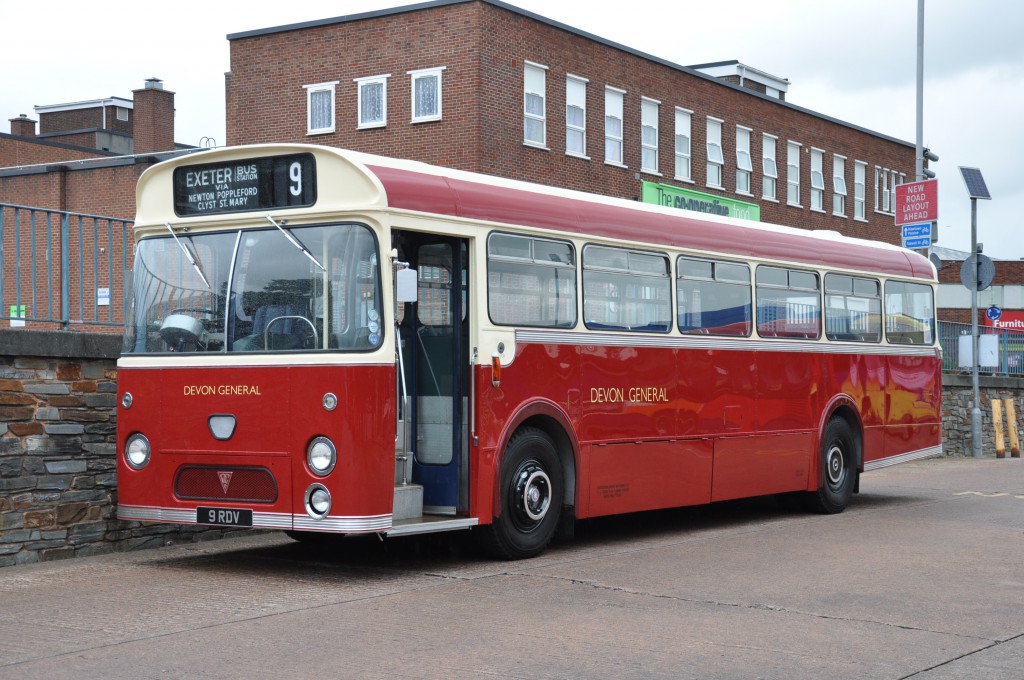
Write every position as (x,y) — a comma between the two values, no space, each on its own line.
(434,334)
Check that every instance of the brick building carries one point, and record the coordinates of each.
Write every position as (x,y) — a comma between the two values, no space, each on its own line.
(86,157)
(484,86)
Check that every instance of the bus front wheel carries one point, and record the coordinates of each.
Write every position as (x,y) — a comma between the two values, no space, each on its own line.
(531,498)
(838,469)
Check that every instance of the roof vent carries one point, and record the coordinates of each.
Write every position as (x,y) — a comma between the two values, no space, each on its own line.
(154,84)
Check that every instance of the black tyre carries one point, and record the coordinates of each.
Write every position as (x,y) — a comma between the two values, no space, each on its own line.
(531,498)
(838,469)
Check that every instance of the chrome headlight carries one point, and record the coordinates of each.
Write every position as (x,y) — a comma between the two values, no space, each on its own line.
(318,501)
(137,451)
(321,456)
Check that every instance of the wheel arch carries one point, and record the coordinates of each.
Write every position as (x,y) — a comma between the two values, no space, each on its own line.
(842,406)
(549,418)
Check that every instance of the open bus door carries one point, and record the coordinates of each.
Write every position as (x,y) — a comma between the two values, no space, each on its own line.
(434,367)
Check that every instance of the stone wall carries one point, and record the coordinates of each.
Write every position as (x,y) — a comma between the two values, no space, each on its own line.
(957,405)
(58,487)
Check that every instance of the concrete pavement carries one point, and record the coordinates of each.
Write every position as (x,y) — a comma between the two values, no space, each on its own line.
(922,577)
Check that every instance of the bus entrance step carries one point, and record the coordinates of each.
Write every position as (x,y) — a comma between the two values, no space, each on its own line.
(408,501)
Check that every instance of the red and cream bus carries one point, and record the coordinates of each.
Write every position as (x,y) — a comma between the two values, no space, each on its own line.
(327,341)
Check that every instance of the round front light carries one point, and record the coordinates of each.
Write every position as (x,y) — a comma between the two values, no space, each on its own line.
(126,400)
(318,501)
(137,451)
(321,456)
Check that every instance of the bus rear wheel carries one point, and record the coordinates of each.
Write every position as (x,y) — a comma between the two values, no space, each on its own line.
(531,498)
(838,469)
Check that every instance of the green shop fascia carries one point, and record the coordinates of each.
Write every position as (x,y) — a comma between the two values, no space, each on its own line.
(687,199)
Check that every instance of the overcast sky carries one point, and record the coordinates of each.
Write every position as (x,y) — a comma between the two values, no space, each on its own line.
(855,61)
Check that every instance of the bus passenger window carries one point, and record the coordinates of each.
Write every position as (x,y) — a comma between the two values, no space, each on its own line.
(713,298)
(788,303)
(530,281)
(626,290)
(853,309)
(909,313)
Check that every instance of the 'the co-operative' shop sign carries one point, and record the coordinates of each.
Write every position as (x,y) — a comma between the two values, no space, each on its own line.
(687,199)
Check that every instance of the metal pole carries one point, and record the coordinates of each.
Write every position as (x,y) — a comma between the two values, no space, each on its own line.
(919,159)
(976,411)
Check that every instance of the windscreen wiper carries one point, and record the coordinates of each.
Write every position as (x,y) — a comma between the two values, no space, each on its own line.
(188,254)
(296,242)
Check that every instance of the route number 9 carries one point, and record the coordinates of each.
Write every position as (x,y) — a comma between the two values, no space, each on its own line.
(295,175)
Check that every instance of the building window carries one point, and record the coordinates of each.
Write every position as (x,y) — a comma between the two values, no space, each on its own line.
(613,99)
(817,180)
(744,167)
(320,108)
(769,167)
(576,116)
(372,101)
(122,112)
(885,190)
(683,167)
(839,185)
(426,94)
(793,173)
(716,159)
(534,104)
(860,172)
(649,135)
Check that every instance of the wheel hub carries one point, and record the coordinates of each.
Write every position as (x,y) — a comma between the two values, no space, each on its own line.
(533,489)
(836,467)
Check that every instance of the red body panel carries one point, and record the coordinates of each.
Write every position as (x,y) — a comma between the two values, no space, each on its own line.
(278,414)
(662,427)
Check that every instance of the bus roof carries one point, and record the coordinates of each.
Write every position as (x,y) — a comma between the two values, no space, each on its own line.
(416,186)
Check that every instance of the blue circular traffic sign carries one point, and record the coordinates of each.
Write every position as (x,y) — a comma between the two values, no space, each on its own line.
(993,313)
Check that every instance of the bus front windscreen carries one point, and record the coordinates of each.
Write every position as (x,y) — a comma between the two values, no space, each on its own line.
(267,290)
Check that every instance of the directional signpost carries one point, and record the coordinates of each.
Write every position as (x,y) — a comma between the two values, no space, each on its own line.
(917,235)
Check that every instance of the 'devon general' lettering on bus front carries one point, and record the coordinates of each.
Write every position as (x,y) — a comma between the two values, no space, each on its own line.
(221,390)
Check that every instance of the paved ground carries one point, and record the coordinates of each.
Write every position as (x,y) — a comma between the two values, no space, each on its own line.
(923,577)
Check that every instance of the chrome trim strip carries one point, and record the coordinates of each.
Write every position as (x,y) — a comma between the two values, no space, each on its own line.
(419,526)
(929,452)
(343,524)
(708,342)
(260,520)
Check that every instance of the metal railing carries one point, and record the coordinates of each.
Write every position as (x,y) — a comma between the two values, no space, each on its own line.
(59,268)
(1007,346)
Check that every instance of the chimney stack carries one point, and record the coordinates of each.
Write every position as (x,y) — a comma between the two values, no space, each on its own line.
(153,124)
(23,126)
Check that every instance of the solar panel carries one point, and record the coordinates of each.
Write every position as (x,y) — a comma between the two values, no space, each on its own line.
(976,187)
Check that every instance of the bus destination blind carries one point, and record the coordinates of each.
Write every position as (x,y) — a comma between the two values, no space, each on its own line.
(245,185)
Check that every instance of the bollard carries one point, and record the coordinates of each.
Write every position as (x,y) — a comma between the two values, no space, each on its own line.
(997,422)
(1011,425)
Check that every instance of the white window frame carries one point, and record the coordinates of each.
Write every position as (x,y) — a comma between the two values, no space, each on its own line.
(744,165)
(424,74)
(885,196)
(770,173)
(860,176)
(614,105)
(817,179)
(839,185)
(573,98)
(310,90)
(684,156)
(541,73)
(121,112)
(361,84)
(793,173)
(650,110)
(715,155)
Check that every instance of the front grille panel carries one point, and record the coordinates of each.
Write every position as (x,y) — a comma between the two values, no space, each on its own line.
(249,484)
